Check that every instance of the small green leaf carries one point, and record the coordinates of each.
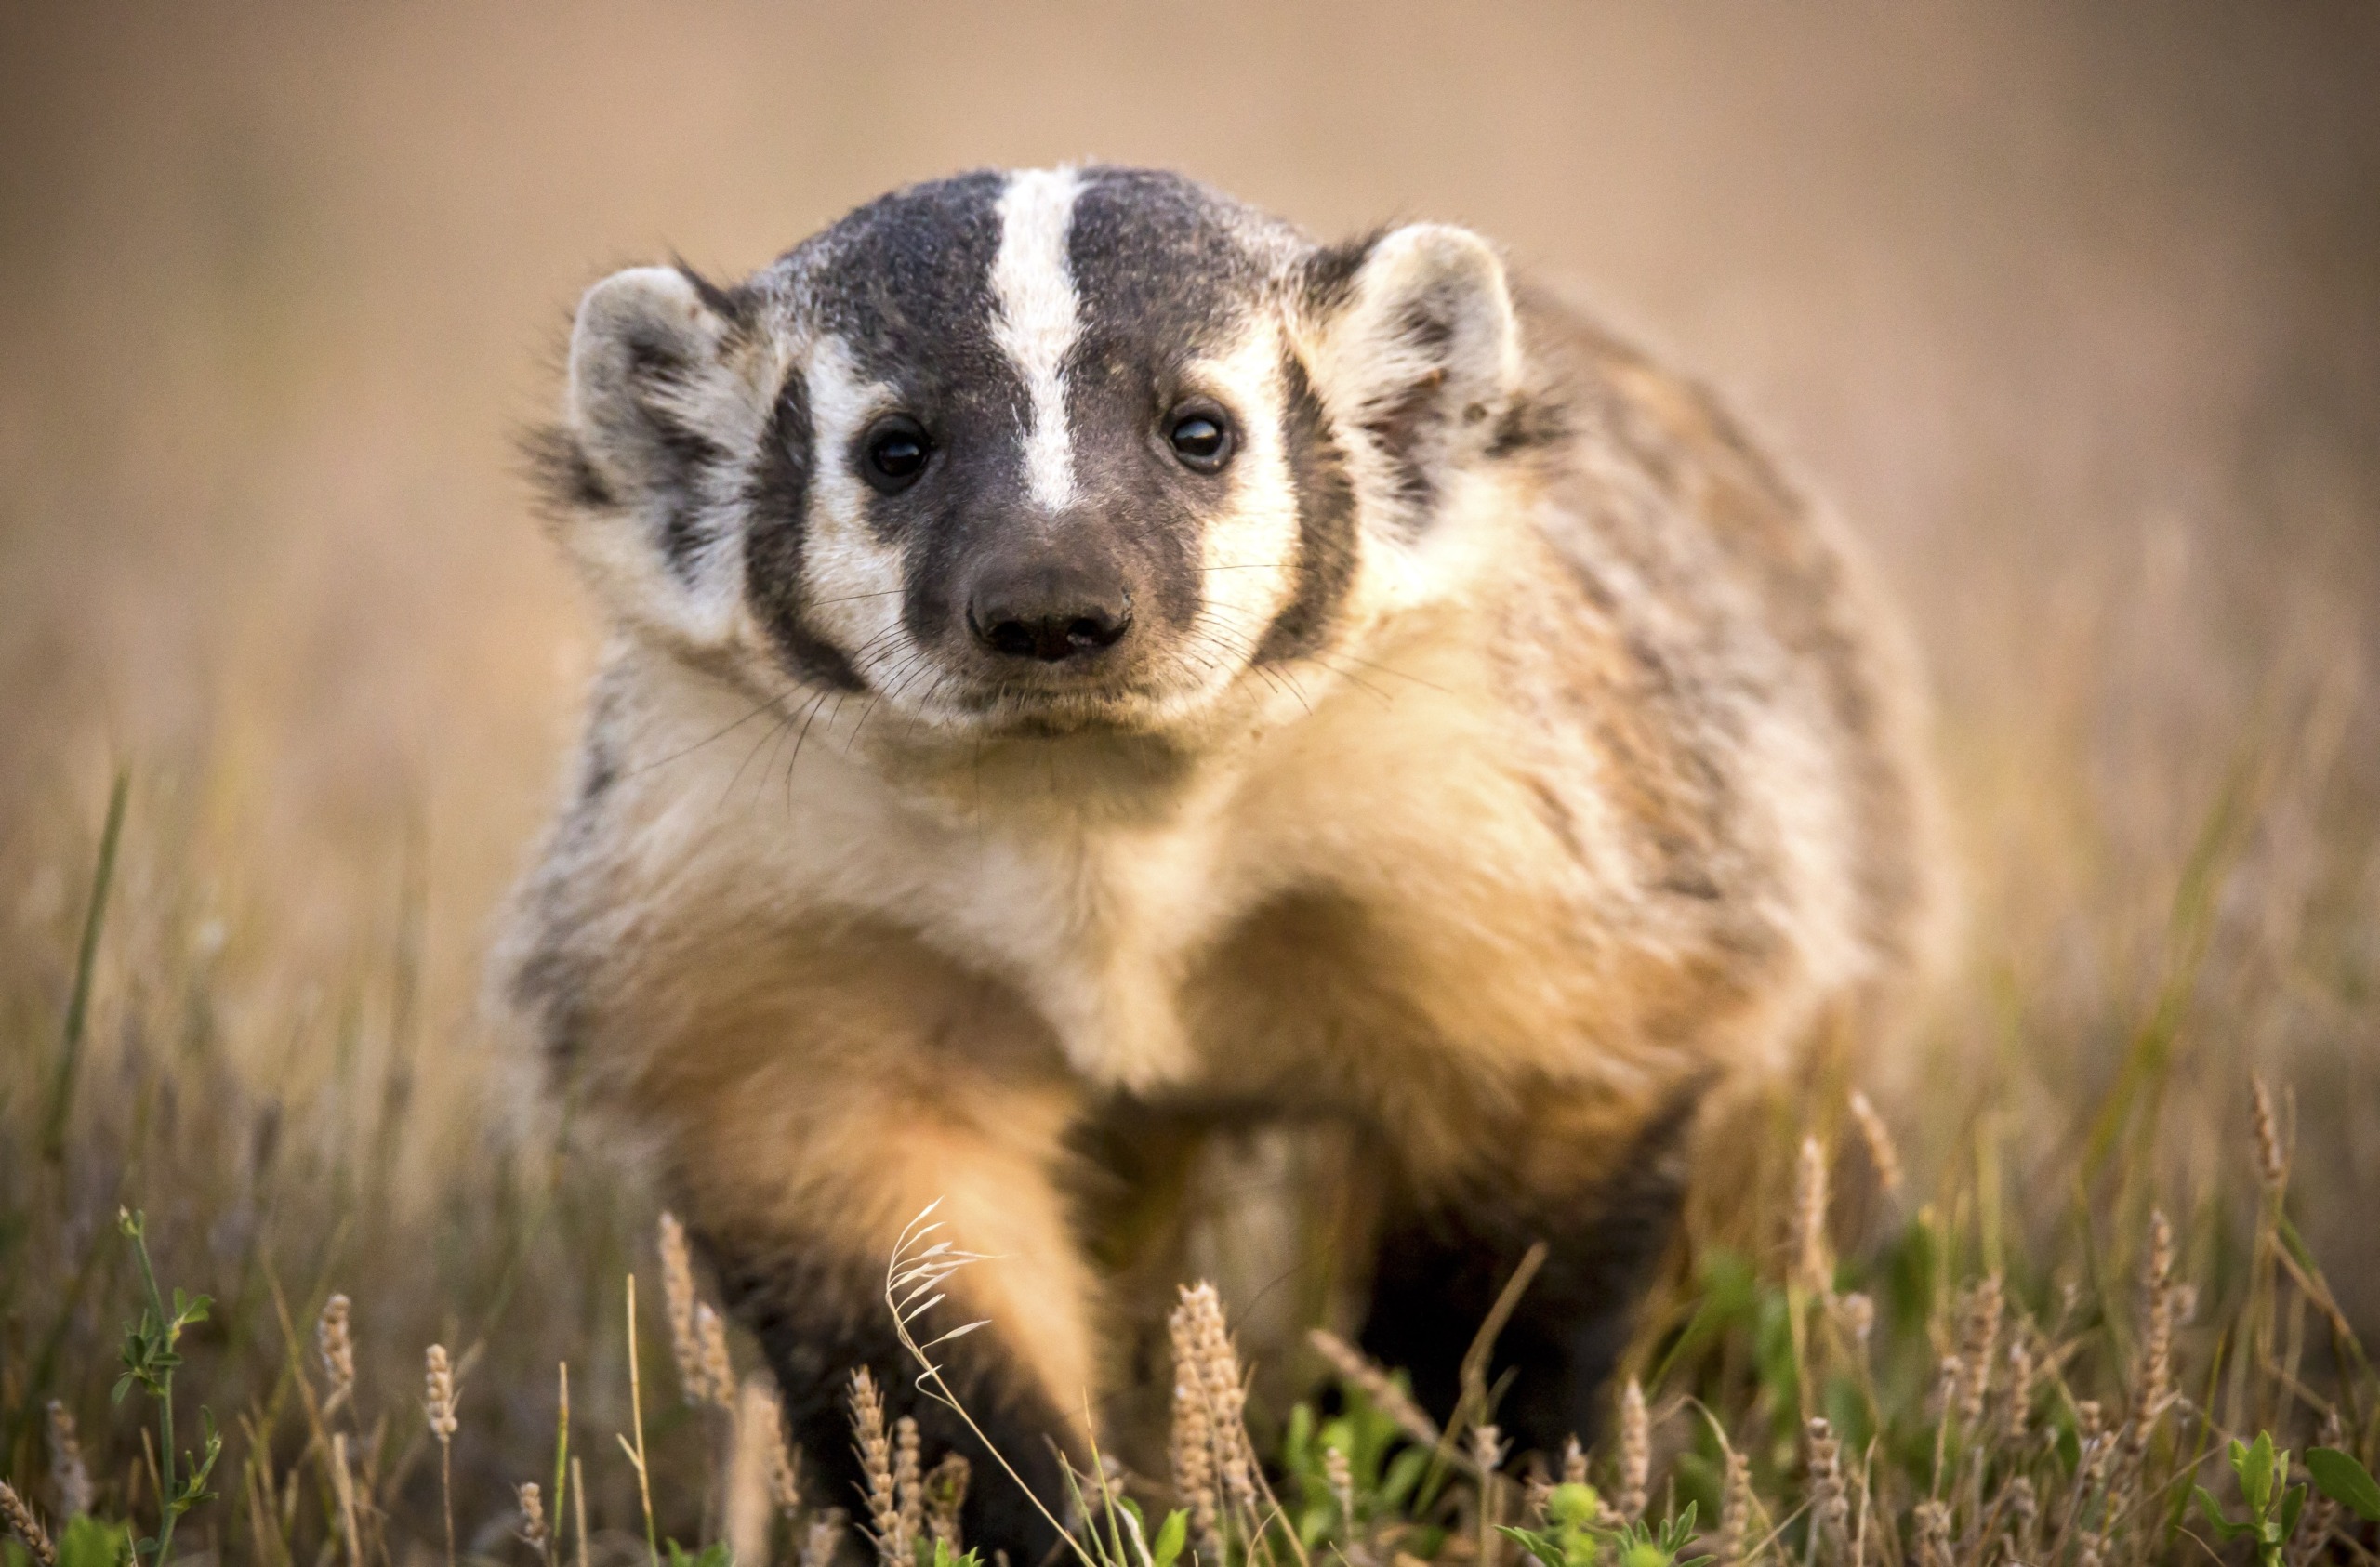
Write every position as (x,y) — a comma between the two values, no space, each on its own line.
(1405,1473)
(1297,1443)
(1541,1546)
(2224,1528)
(716,1554)
(2292,1502)
(91,1542)
(2254,1465)
(1170,1535)
(2346,1481)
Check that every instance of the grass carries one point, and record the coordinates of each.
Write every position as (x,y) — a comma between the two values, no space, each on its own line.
(427,1338)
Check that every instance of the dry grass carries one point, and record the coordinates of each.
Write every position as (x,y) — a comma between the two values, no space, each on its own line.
(1849,1376)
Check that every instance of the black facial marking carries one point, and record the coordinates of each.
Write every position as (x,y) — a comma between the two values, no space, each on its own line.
(1328,276)
(566,480)
(1530,423)
(658,368)
(1408,429)
(905,283)
(1325,522)
(734,306)
(777,496)
(1159,263)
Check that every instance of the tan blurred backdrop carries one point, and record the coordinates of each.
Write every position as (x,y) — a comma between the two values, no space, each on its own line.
(2075,312)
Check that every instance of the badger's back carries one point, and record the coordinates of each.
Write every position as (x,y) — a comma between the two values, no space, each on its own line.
(1758,709)
(1697,659)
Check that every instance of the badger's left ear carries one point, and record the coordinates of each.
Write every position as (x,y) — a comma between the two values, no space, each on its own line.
(1414,351)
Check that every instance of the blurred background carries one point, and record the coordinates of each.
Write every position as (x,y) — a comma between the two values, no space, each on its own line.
(2074,312)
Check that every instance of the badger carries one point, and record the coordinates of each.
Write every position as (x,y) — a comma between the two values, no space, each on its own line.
(1082,653)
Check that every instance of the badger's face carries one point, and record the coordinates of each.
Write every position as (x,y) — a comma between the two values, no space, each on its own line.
(1028,452)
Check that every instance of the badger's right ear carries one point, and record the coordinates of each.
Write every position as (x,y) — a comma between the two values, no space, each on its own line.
(659,421)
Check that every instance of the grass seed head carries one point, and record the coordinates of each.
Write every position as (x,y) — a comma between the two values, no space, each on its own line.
(1881,1152)
(763,1419)
(69,1476)
(335,1344)
(1811,1269)
(909,1477)
(1194,1440)
(1340,1476)
(2273,1160)
(2153,1370)
(1933,1521)
(1201,1313)
(2020,1397)
(875,1448)
(438,1393)
(25,1526)
(533,1516)
(823,1538)
(1830,1504)
(1735,1511)
(1635,1452)
(1978,1346)
(1950,1374)
(1193,1435)
(718,1370)
(1574,1462)
(677,1298)
(946,1487)
(762,1479)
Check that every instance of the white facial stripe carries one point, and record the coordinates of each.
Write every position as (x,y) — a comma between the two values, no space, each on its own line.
(851,581)
(1034,289)
(1250,551)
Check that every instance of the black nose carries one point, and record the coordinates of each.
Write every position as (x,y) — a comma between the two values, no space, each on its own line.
(1050,613)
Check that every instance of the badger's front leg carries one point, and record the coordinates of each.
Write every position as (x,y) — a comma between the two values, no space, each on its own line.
(1597,1180)
(809,1131)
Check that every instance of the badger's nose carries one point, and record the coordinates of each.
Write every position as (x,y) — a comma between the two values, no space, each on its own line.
(1049,612)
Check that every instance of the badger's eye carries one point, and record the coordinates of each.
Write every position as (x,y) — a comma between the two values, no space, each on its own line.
(897,453)
(1201,438)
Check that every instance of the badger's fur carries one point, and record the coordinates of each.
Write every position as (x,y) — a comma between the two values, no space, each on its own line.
(1082,651)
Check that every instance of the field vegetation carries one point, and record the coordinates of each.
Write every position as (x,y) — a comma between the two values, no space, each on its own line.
(230,1329)
(2071,311)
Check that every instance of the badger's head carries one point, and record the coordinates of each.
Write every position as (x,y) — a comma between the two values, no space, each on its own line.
(1030,452)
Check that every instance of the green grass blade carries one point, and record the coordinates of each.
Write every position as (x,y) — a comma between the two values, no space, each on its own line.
(69,1051)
